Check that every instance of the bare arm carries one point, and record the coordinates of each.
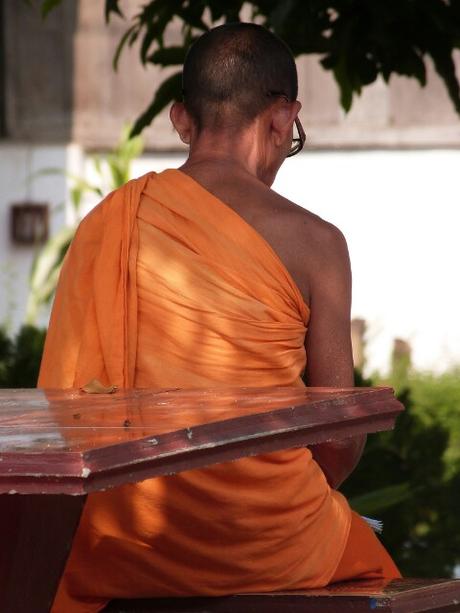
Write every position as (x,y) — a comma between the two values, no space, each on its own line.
(328,346)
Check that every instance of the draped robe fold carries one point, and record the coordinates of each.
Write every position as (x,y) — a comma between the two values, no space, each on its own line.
(165,285)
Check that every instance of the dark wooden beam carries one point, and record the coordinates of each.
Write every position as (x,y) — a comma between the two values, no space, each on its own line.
(36,534)
(401,596)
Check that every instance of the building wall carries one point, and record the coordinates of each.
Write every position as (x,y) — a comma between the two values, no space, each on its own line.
(39,74)
(19,182)
(385,174)
(400,213)
(61,88)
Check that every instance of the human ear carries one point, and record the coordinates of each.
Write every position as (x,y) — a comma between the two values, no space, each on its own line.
(283,115)
(181,121)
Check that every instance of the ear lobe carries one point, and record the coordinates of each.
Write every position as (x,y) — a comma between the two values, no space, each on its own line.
(181,121)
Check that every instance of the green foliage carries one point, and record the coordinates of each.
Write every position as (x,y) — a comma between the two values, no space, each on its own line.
(410,478)
(437,398)
(112,171)
(20,358)
(45,270)
(376,501)
(357,40)
(120,159)
(6,351)
(163,96)
(111,6)
(48,6)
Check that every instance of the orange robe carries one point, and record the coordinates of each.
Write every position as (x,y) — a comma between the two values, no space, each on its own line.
(165,285)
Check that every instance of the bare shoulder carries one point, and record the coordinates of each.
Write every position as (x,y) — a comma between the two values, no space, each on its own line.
(313,237)
(310,247)
(314,251)
(322,235)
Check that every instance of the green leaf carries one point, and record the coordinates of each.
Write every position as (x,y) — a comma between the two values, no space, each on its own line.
(192,16)
(152,32)
(97,163)
(118,171)
(373,503)
(217,9)
(346,88)
(129,147)
(78,181)
(155,18)
(228,9)
(119,161)
(84,186)
(111,6)
(169,90)
(48,6)
(49,255)
(445,67)
(281,12)
(168,56)
(76,197)
(124,39)
(45,271)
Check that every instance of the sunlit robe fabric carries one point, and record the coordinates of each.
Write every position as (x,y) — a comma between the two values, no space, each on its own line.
(166,286)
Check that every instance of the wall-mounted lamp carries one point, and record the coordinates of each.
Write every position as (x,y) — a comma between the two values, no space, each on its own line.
(29,223)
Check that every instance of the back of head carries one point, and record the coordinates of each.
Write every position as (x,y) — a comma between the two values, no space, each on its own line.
(231,73)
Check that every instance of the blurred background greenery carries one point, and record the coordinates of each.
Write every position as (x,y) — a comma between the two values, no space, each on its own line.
(410,477)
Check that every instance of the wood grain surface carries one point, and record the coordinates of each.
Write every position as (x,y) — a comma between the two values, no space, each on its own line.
(69,442)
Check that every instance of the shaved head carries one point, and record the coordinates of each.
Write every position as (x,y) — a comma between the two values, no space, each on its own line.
(231,73)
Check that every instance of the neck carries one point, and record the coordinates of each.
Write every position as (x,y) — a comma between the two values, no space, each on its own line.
(236,152)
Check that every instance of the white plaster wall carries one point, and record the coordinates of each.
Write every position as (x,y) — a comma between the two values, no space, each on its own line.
(399,211)
(19,164)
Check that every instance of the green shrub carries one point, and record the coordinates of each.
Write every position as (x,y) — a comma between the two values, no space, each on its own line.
(408,479)
(437,398)
(20,358)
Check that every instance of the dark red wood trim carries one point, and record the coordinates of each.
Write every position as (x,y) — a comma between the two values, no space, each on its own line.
(402,596)
(198,446)
(36,534)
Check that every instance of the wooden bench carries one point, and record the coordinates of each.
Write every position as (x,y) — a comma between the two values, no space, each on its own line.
(401,596)
(56,446)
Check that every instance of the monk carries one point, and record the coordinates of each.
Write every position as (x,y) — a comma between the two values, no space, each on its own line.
(202,277)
